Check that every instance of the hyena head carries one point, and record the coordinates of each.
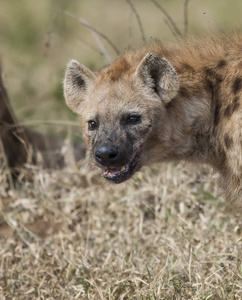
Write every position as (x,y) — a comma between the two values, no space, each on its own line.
(121,109)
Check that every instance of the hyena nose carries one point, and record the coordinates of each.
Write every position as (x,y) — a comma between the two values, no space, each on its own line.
(106,154)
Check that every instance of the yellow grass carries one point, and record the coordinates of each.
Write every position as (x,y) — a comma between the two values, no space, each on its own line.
(163,235)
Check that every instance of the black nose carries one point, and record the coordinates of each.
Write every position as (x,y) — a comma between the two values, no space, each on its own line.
(106,154)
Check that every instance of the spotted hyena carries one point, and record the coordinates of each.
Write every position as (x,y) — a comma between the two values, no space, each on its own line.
(164,103)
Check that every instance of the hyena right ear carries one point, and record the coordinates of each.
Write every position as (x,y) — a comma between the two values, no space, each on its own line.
(158,76)
(78,80)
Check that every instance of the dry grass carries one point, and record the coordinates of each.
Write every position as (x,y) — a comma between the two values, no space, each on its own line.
(69,235)
(164,235)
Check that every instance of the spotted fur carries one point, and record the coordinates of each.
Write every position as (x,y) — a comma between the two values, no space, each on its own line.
(188,96)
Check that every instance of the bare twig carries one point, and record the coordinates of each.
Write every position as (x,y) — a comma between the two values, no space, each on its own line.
(130,28)
(4,159)
(169,18)
(9,109)
(170,27)
(87,44)
(49,33)
(37,122)
(138,20)
(96,35)
(186,16)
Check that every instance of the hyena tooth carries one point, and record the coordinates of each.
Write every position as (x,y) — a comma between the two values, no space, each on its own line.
(106,171)
(122,169)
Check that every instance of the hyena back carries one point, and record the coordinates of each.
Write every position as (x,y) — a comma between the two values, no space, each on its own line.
(157,103)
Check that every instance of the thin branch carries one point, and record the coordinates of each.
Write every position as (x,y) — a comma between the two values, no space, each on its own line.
(15,123)
(49,34)
(130,28)
(186,16)
(169,18)
(96,35)
(138,20)
(88,44)
(5,160)
(170,27)
(42,122)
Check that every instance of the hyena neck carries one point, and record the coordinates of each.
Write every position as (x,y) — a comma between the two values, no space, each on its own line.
(192,116)
(189,127)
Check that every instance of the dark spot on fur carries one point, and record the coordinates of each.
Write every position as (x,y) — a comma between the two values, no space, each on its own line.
(208,72)
(236,100)
(227,111)
(218,79)
(184,92)
(237,85)
(217,112)
(209,85)
(235,105)
(212,83)
(222,63)
(213,76)
(222,155)
(228,141)
(231,108)
(187,68)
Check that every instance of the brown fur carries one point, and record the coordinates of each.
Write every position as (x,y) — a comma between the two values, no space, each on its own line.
(189,104)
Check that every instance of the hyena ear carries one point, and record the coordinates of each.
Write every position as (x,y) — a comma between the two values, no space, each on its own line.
(159,76)
(78,81)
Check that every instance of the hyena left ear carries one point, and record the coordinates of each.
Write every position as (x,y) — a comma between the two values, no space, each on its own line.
(78,81)
(159,76)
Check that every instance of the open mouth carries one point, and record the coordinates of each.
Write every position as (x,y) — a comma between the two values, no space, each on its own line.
(123,173)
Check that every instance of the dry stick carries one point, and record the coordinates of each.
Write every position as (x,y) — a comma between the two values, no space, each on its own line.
(130,28)
(42,122)
(186,16)
(15,122)
(49,33)
(4,158)
(170,27)
(87,44)
(20,132)
(96,35)
(138,20)
(169,18)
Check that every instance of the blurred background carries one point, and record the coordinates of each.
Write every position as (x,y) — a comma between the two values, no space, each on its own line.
(38,38)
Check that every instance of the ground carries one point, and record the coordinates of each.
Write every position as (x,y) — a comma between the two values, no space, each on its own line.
(164,235)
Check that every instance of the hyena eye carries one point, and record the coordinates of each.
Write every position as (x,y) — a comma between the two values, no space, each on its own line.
(92,125)
(132,120)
